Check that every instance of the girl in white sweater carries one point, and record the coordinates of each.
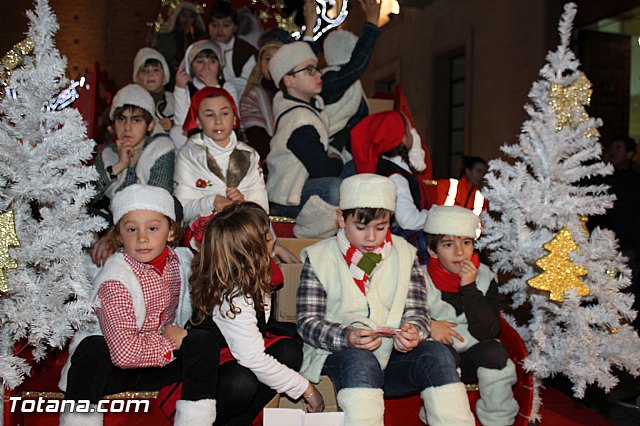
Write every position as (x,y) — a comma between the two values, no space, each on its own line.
(231,286)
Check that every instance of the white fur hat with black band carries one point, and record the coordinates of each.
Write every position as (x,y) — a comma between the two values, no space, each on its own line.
(287,58)
(145,54)
(135,95)
(452,220)
(338,47)
(142,197)
(368,190)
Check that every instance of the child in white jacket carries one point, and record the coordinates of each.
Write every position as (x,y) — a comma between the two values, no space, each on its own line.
(213,168)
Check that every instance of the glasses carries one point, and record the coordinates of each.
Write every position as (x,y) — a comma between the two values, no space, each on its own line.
(310,69)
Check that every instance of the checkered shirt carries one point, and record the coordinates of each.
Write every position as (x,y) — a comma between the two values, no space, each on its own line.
(311,308)
(129,346)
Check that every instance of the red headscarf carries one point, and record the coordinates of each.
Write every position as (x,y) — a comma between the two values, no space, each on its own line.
(375,134)
(190,122)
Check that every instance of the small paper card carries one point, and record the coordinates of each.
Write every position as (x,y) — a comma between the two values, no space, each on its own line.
(387,331)
(296,417)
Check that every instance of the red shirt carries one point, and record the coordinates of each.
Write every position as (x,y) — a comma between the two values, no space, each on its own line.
(129,346)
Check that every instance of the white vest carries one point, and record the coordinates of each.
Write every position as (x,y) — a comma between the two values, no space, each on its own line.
(443,311)
(346,304)
(287,174)
(160,146)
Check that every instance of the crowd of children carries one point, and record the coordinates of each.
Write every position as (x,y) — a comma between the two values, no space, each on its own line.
(375,314)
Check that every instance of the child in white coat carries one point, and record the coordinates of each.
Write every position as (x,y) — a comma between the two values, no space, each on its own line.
(213,168)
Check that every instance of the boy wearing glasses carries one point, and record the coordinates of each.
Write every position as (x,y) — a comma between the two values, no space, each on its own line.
(304,176)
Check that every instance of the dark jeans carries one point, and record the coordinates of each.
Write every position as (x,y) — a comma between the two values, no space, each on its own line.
(93,375)
(327,188)
(429,364)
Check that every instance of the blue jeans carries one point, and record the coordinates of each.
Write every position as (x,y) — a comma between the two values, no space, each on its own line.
(429,364)
(327,188)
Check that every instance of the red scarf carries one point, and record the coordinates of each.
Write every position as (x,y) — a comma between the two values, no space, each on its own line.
(160,261)
(445,280)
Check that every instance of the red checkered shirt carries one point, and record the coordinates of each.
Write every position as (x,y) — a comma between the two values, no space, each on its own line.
(129,346)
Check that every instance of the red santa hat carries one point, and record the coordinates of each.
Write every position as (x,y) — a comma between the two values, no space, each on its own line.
(374,135)
(191,123)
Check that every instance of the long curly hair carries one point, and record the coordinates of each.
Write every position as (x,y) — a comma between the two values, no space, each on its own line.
(234,261)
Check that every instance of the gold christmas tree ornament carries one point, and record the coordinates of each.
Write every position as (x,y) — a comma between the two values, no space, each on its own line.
(569,101)
(560,274)
(8,238)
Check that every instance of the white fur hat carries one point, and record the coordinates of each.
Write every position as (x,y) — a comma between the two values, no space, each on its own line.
(199,46)
(368,190)
(287,58)
(142,197)
(133,94)
(143,56)
(338,47)
(452,220)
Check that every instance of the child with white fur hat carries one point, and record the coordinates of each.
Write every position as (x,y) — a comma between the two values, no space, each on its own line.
(303,176)
(134,157)
(462,298)
(137,341)
(151,71)
(201,67)
(362,313)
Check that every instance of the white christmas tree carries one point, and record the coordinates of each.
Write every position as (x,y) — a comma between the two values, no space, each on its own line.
(569,281)
(46,183)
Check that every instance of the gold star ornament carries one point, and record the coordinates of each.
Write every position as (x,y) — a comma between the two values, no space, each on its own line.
(560,274)
(8,238)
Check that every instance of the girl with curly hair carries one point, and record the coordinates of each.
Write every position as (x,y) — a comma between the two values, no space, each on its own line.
(231,290)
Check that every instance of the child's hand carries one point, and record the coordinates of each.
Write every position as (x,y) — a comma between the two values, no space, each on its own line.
(443,332)
(468,272)
(220,202)
(166,124)
(182,78)
(176,334)
(371,9)
(235,195)
(314,399)
(361,338)
(125,154)
(209,75)
(102,249)
(407,339)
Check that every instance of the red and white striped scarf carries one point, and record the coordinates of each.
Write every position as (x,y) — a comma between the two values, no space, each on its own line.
(363,265)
